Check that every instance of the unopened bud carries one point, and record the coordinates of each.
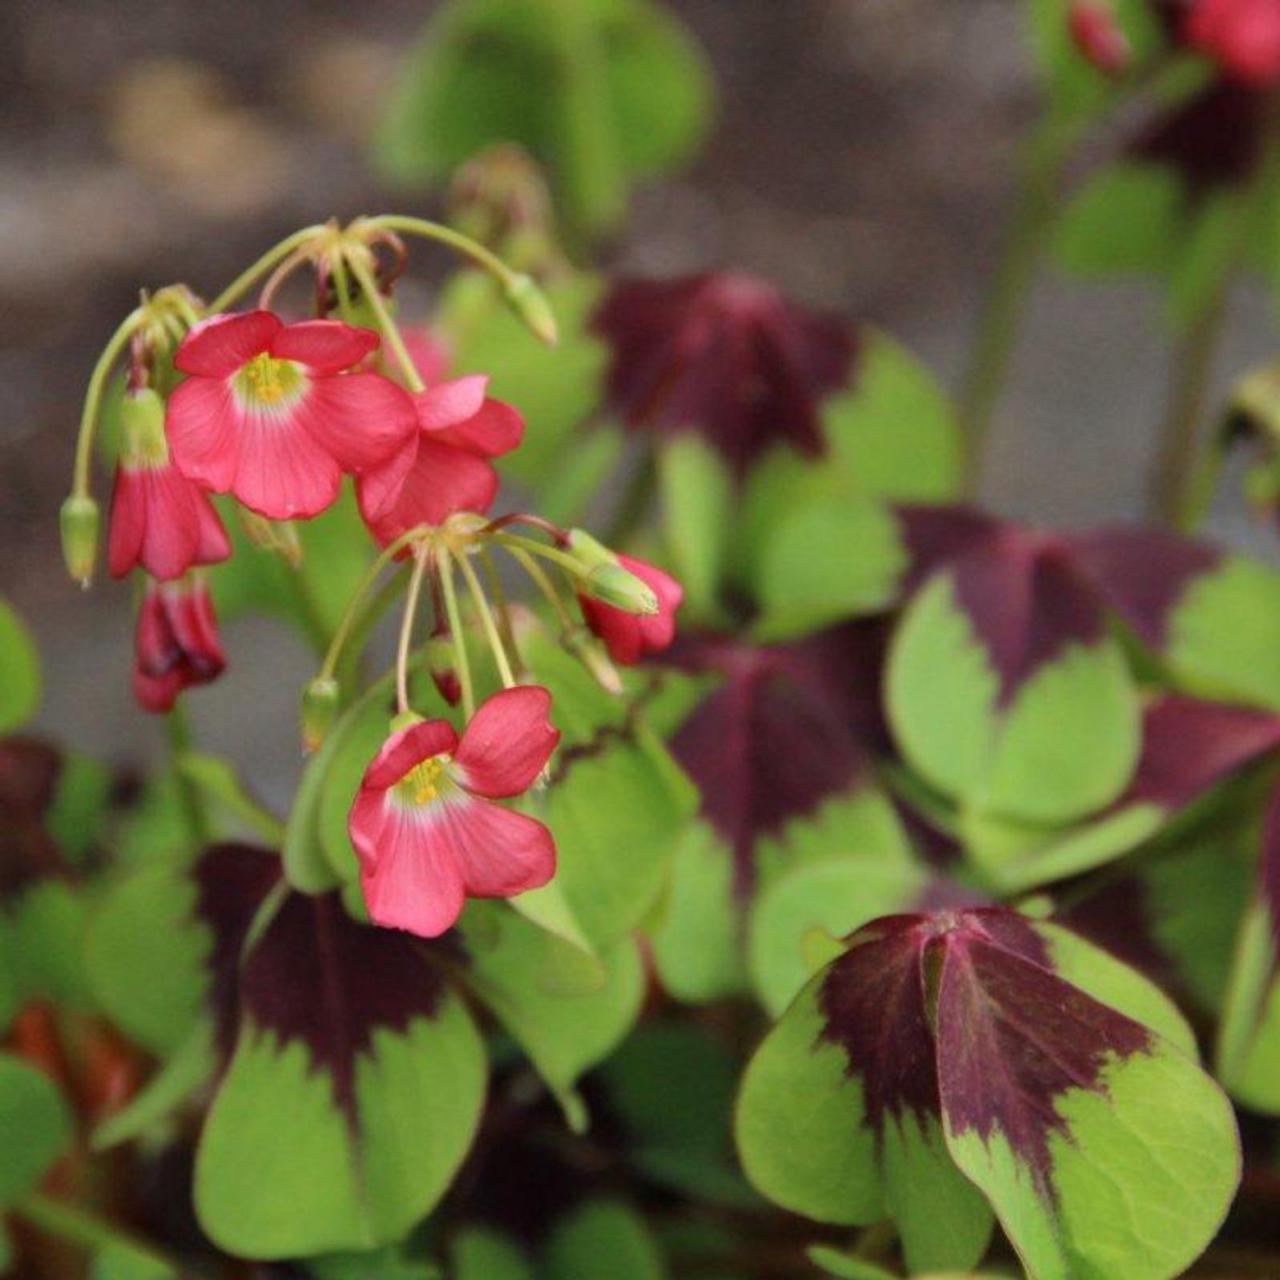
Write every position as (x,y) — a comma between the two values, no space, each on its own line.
(439,656)
(1098,36)
(320,702)
(588,550)
(142,438)
(78,521)
(613,585)
(528,301)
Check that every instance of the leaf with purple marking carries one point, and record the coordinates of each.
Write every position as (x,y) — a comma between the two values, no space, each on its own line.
(978,1047)
(1212,618)
(1005,689)
(352,1095)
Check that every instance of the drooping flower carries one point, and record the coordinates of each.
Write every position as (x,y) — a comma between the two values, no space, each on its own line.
(160,521)
(271,412)
(424,824)
(725,355)
(1098,36)
(444,467)
(1242,36)
(628,636)
(176,643)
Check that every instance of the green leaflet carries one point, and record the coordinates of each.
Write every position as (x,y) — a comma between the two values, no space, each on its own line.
(605,1238)
(697,506)
(19,671)
(567,1009)
(35,1128)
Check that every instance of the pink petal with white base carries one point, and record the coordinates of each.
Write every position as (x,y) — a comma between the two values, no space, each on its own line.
(217,347)
(200,423)
(406,748)
(324,346)
(507,743)
(361,419)
(499,852)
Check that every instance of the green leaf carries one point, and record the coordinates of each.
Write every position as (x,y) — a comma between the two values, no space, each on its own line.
(19,671)
(128,1262)
(697,505)
(567,1009)
(1064,746)
(218,779)
(352,1096)
(1126,219)
(671,1086)
(697,935)
(845,1265)
(45,927)
(1224,634)
(1248,1049)
(594,91)
(605,1238)
(480,1254)
(80,803)
(377,1264)
(35,1128)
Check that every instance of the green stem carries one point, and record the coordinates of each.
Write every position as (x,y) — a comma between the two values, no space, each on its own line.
(1175,495)
(421,558)
(93,397)
(80,1226)
(455,240)
(1006,301)
(460,658)
(178,731)
(513,541)
(386,322)
(504,611)
(486,620)
(348,668)
(248,277)
(352,611)
(544,584)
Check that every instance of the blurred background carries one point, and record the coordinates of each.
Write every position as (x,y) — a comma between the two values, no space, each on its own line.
(863,155)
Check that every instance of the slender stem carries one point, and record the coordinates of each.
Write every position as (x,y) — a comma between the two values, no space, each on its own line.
(79,1226)
(250,275)
(454,239)
(347,668)
(567,562)
(386,322)
(1002,311)
(338,264)
(486,619)
(93,397)
(283,271)
(460,658)
(178,731)
(421,559)
(544,584)
(1174,493)
(352,611)
(503,610)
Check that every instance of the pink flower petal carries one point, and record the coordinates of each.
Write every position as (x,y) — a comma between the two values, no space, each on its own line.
(200,422)
(494,429)
(127,524)
(451,402)
(506,743)
(282,471)
(217,347)
(499,852)
(360,419)
(413,879)
(405,748)
(441,480)
(324,346)
(162,523)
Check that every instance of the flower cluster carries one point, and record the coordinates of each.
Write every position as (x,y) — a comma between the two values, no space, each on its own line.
(275,414)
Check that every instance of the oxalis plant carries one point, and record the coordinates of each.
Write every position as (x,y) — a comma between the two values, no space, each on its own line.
(879,887)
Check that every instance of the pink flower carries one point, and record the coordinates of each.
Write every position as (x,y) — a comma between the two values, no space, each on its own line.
(1243,36)
(176,643)
(1098,36)
(160,521)
(445,465)
(268,413)
(424,826)
(629,636)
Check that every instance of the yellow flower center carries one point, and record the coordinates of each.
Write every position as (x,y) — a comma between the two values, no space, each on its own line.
(266,380)
(423,783)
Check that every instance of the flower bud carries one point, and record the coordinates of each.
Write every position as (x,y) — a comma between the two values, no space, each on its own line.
(319,707)
(439,656)
(613,585)
(528,301)
(1098,37)
(79,524)
(142,438)
(589,551)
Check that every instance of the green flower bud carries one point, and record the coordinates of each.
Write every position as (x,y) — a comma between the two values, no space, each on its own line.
(611,584)
(588,550)
(528,301)
(320,702)
(79,524)
(142,428)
